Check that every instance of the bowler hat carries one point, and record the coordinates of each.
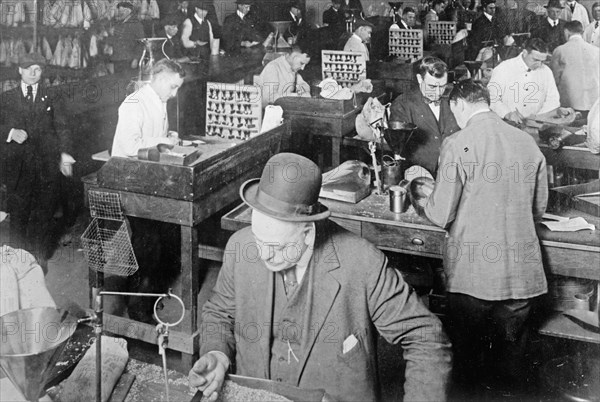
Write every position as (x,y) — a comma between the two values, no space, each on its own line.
(362,23)
(485,3)
(249,2)
(29,59)
(553,4)
(288,190)
(126,4)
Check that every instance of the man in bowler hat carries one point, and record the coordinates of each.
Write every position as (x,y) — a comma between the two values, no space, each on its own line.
(301,300)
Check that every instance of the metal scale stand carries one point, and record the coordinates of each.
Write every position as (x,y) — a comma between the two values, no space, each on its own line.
(107,248)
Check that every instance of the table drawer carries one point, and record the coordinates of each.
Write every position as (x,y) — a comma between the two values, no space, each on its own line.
(405,239)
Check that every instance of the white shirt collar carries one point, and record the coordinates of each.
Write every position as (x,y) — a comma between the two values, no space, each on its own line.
(302,264)
(200,20)
(240,14)
(34,88)
(552,22)
(488,16)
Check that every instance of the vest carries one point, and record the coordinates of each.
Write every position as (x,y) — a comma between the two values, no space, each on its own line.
(287,330)
(200,32)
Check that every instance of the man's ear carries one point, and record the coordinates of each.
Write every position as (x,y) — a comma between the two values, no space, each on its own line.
(309,230)
(419,79)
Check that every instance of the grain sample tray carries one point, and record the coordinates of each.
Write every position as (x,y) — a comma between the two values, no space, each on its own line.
(347,68)
(406,43)
(441,32)
(233,111)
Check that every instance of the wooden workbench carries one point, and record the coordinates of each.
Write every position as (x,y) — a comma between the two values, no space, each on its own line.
(575,254)
(185,196)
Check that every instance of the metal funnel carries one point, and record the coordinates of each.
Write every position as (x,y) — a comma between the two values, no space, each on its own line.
(32,341)
(280,27)
(398,134)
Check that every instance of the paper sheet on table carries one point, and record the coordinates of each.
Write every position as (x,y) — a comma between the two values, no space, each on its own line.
(571,225)
(273,118)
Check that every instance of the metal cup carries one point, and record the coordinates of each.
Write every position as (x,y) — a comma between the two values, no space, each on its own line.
(397,199)
(581,301)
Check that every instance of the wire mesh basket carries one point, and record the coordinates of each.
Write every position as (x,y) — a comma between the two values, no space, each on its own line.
(106,241)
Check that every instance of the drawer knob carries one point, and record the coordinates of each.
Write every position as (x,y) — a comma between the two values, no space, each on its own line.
(417,242)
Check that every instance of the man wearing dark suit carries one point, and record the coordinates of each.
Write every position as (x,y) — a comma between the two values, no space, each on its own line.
(429,111)
(300,26)
(409,18)
(551,29)
(318,296)
(239,30)
(334,14)
(487,27)
(173,48)
(33,151)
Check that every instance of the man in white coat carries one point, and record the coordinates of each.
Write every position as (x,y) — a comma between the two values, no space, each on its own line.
(574,11)
(591,34)
(524,86)
(360,38)
(575,68)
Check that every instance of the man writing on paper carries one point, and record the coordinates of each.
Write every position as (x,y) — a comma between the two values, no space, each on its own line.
(524,86)
(319,294)
(281,77)
(143,118)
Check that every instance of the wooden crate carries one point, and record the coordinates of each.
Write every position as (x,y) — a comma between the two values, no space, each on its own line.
(441,32)
(406,43)
(233,111)
(347,68)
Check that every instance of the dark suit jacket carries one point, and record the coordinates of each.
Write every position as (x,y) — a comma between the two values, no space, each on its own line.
(484,30)
(236,30)
(298,30)
(173,48)
(48,136)
(553,36)
(351,292)
(424,146)
(332,17)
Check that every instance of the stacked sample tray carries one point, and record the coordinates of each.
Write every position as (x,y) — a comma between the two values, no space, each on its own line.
(441,32)
(406,43)
(347,68)
(232,110)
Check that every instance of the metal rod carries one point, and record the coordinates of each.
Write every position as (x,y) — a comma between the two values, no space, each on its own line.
(107,293)
(164,361)
(98,331)
(35,21)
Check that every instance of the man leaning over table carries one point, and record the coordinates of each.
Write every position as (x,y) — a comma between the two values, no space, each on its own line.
(318,296)
(490,189)
(143,118)
(524,86)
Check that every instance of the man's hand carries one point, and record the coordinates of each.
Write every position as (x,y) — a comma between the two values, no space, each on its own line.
(66,164)
(200,43)
(19,136)
(134,64)
(515,117)
(208,374)
(247,43)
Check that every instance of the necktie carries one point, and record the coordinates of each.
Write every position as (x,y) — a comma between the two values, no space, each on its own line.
(29,96)
(572,7)
(596,25)
(429,101)
(295,86)
(290,282)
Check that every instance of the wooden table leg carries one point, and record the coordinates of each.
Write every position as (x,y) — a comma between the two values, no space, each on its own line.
(336,148)
(188,283)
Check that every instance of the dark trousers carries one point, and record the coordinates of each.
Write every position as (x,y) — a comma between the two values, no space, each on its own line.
(488,337)
(31,206)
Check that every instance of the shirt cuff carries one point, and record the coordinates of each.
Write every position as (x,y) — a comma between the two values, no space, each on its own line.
(10,134)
